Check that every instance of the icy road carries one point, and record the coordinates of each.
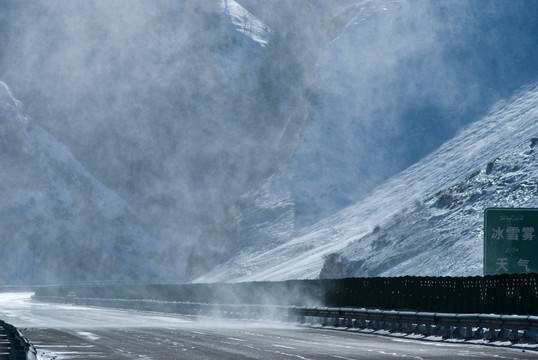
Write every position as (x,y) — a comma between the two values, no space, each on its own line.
(75,332)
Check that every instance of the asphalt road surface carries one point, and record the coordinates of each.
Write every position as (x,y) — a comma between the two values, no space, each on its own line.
(75,332)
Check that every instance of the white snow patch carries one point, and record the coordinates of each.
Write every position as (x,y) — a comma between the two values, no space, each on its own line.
(246,23)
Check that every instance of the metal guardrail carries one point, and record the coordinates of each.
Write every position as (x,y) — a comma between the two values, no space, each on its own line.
(14,346)
(514,328)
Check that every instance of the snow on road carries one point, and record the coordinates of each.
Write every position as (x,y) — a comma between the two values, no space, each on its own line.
(61,331)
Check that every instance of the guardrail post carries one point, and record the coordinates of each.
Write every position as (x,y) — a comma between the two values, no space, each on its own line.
(429,330)
(491,335)
(530,336)
(514,336)
(419,329)
(468,333)
(376,324)
(379,324)
(480,333)
(504,334)
(460,332)
(448,333)
(336,321)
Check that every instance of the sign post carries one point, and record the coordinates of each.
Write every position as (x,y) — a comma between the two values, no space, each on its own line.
(510,244)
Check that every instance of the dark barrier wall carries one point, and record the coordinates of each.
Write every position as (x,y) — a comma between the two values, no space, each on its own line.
(498,294)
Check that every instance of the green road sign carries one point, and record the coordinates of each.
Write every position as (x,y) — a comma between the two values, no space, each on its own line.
(510,244)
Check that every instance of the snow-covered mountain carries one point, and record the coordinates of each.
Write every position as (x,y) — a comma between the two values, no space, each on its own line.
(426,220)
(443,233)
(389,97)
(58,222)
(248,140)
(400,80)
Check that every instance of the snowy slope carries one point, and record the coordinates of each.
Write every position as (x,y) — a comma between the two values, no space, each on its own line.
(58,222)
(245,23)
(401,79)
(447,220)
